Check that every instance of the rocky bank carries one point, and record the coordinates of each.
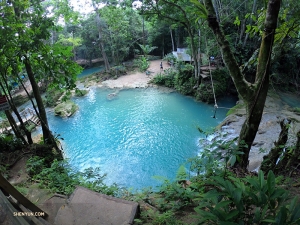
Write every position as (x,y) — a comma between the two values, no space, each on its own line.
(275,110)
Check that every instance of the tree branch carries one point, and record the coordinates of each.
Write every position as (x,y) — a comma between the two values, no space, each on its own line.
(244,88)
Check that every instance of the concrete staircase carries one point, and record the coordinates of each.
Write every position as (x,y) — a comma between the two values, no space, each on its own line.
(88,207)
(35,120)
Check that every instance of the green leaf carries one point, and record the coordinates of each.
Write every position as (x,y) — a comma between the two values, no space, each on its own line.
(232,214)
(269,221)
(227,223)
(281,216)
(261,179)
(212,194)
(257,215)
(295,214)
(232,160)
(271,182)
(223,204)
(201,10)
(253,182)
(237,21)
(277,193)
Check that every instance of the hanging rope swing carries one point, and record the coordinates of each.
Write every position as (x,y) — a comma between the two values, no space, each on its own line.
(212,83)
(213,88)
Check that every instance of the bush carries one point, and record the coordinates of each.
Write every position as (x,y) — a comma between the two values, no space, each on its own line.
(220,79)
(52,97)
(9,143)
(170,58)
(80,93)
(116,71)
(61,178)
(249,200)
(297,110)
(164,80)
(20,99)
(142,63)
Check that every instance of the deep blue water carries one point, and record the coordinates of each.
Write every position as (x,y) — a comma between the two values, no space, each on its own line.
(139,134)
(86,72)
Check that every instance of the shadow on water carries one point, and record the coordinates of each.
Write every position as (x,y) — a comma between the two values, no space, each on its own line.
(89,71)
(291,99)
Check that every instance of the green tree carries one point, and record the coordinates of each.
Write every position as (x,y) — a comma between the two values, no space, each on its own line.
(116,31)
(182,14)
(253,94)
(29,28)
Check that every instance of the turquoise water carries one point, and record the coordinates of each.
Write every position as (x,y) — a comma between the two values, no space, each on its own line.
(86,72)
(139,134)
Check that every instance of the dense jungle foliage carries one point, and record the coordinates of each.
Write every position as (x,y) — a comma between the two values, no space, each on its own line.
(255,44)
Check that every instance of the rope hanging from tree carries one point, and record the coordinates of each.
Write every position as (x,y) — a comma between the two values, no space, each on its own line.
(213,88)
(212,84)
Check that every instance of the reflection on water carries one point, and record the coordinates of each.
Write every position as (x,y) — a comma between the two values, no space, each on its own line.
(140,134)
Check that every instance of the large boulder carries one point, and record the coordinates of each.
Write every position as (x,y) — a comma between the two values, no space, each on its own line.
(66,109)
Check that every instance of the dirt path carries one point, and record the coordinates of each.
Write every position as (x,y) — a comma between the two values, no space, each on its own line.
(136,79)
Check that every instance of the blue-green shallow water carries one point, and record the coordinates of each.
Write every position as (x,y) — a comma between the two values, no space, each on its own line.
(142,133)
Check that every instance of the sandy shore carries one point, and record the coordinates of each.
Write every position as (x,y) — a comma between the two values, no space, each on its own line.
(136,79)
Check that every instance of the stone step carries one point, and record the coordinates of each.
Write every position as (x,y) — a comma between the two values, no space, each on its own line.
(89,207)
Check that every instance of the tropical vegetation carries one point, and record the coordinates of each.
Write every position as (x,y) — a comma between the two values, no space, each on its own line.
(46,44)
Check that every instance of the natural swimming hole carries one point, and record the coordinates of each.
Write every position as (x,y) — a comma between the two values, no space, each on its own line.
(139,134)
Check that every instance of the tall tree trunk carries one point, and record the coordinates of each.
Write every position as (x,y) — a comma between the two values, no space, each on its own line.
(15,110)
(163,46)
(15,127)
(199,57)
(101,44)
(194,53)
(171,33)
(47,136)
(253,94)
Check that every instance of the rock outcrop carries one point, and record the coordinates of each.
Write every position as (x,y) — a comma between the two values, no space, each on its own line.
(65,109)
(269,129)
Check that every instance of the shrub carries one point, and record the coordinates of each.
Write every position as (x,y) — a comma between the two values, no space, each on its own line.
(52,97)
(80,93)
(164,80)
(116,71)
(220,79)
(297,110)
(9,143)
(142,63)
(249,200)
(61,178)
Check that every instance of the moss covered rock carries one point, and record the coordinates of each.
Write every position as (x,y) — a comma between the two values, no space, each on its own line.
(65,109)
(81,92)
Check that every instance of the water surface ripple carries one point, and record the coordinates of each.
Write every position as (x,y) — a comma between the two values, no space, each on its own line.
(139,134)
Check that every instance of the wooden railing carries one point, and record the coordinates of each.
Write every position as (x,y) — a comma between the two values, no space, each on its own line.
(23,202)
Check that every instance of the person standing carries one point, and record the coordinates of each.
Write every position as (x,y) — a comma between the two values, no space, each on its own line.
(161,66)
